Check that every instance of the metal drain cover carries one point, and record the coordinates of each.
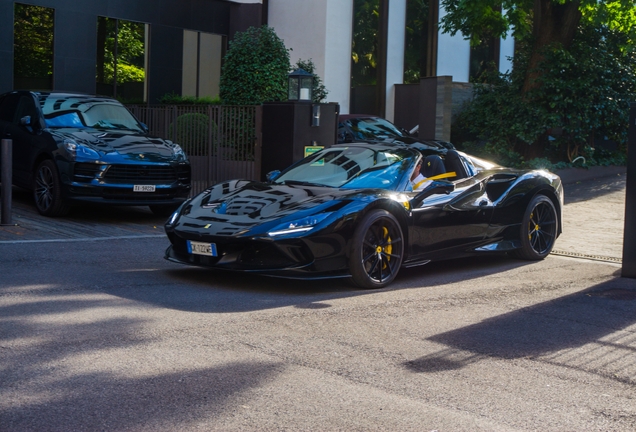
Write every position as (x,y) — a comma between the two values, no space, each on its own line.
(586,256)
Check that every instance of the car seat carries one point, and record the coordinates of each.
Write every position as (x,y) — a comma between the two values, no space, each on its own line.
(454,164)
(433,166)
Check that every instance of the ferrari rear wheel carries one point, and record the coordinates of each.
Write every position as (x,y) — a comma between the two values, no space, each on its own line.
(377,250)
(47,190)
(539,229)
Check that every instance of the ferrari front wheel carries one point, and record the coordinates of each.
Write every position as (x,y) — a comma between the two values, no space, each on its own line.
(539,229)
(377,250)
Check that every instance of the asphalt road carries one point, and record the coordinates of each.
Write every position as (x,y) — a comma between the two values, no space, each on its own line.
(98,332)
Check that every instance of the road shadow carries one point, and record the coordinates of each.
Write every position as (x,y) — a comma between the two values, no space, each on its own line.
(568,327)
(110,401)
(204,290)
(595,188)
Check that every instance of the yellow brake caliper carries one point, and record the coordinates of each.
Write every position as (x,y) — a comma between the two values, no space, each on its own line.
(536,226)
(388,248)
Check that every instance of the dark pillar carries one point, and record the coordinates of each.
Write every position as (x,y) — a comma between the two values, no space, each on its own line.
(436,102)
(6,147)
(288,128)
(629,236)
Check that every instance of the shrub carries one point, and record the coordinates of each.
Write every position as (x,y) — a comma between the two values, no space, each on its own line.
(255,68)
(193,133)
(176,99)
(583,92)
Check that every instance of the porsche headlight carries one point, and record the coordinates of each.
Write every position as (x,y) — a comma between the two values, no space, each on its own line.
(304,224)
(178,151)
(78,151)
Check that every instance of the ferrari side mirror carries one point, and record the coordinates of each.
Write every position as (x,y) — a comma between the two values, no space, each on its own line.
(272,175)
(435,188)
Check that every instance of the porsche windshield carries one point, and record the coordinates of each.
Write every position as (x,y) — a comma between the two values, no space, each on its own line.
(352,167)
(98,113)
(373,128)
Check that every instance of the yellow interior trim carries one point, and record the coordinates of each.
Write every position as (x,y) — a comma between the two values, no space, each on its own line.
(437,177)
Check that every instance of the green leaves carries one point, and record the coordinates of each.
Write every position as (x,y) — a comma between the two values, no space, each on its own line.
(255,68)
(583,93)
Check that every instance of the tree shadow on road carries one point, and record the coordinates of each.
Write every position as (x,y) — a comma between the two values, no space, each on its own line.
(587,330)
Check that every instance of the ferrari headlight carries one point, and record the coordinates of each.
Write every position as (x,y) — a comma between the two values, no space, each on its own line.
(173,218)
(78,151)
(304,224)
(175,215)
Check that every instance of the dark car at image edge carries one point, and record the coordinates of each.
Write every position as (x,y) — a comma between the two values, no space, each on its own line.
(72,149)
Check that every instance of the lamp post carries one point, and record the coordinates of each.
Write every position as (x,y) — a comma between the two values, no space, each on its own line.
(300,83)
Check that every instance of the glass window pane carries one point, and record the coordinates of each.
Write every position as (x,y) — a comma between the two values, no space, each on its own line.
(121,59)
(416,41)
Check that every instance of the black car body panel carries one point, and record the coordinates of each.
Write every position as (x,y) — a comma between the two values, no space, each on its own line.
(101,162)
(296,229)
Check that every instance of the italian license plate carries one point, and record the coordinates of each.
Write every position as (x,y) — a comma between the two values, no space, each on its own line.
(143,188)
(198,248)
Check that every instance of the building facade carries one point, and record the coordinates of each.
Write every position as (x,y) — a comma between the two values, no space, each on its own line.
(135,49)
(144,49)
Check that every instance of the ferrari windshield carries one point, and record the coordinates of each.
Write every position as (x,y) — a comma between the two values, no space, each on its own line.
(352,167)
(76,112)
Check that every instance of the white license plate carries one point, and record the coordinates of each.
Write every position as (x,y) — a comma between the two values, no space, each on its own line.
(143,188)
(198,248)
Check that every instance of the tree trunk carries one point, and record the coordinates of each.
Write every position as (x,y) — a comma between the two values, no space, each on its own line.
(553,23)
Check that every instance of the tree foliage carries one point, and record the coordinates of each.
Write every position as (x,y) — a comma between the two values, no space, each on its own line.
(255,68)
(584,93)
(574,75)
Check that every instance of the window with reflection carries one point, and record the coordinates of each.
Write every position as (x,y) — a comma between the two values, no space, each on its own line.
(420,40)
(33,47)
(364,56)
(121,59)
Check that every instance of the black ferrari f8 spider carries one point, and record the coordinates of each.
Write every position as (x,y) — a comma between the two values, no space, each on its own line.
(351,210)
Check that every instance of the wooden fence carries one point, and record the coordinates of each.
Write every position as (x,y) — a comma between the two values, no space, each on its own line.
(220,141)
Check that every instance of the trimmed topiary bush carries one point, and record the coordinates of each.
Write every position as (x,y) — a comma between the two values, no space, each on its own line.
(193,133)
(255,68)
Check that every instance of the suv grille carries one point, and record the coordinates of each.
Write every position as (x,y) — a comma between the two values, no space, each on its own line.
(85,172)
(141,174)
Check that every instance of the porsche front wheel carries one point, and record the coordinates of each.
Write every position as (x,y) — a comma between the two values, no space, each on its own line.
(539,229)
(47,190)
(377,250)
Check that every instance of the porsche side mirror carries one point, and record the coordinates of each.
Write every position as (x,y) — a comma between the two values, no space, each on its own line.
(29,124)
(25,121)
(435,188)
(272,175)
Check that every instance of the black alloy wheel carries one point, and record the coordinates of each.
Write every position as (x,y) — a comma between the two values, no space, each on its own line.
(539,229)
(47,190)
(377,250)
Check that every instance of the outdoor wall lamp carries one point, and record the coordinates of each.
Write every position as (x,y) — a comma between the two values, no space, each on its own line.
(299,86)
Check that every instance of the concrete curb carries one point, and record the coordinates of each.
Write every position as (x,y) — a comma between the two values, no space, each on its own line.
(574,175)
